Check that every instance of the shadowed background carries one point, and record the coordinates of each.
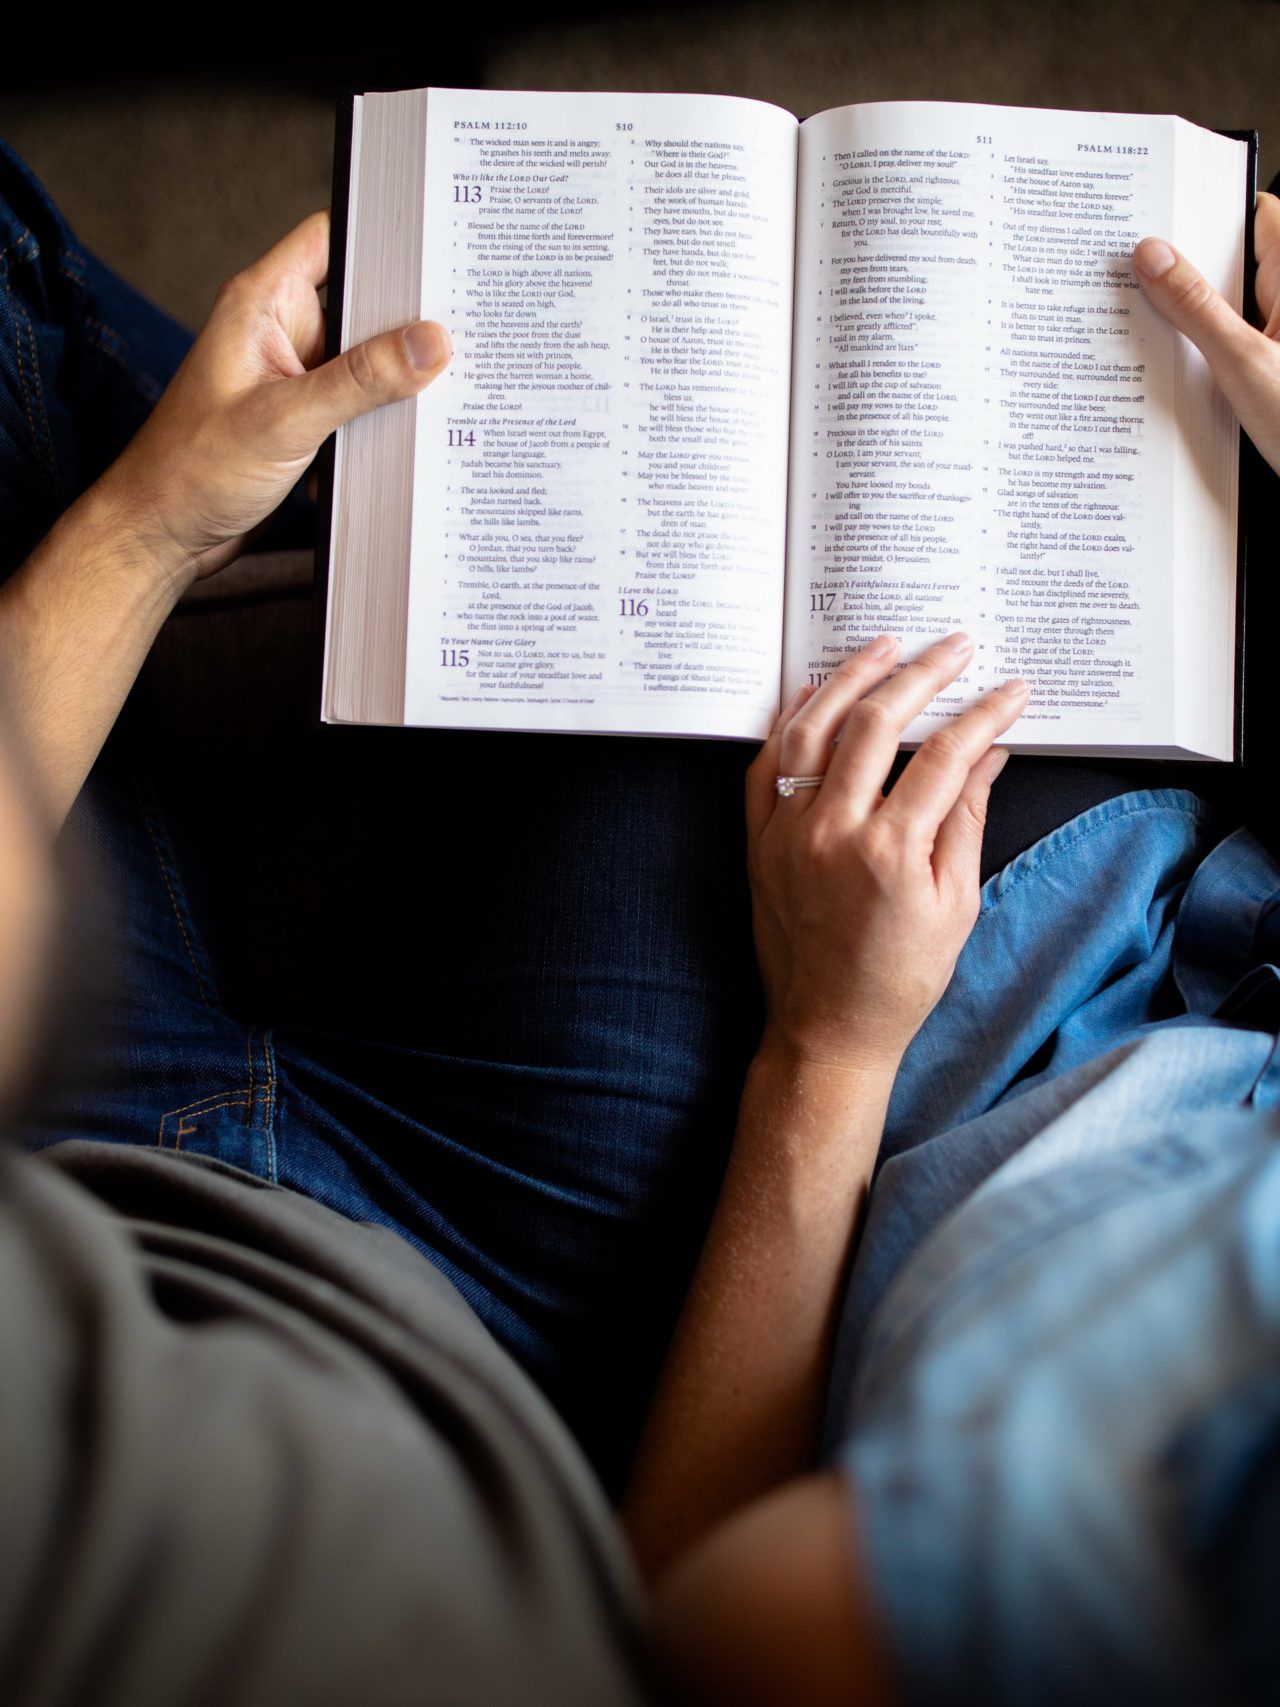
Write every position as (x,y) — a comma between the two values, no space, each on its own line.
(178,176)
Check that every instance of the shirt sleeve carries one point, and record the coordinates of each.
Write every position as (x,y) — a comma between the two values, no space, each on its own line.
(1036,1511)
(255,1454)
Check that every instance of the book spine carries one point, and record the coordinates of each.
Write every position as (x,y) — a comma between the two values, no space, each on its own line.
(326,459)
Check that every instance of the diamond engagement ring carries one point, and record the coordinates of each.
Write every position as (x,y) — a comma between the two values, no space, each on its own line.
(787,785)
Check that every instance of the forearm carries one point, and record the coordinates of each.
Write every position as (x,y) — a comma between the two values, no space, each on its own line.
(738,1407)
(76,622)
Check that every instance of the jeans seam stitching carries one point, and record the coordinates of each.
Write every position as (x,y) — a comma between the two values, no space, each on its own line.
(202,1104)
(22,240)
(47,440)
(269,1058)
(115,345)
(205,1105)
(43,447)
(202,982)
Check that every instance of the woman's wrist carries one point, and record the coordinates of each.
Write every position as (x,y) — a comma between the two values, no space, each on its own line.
(812,1061)
(738,1410)
(811,1119)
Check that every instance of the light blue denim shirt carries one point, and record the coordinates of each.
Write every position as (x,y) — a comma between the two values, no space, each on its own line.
(1056,1393)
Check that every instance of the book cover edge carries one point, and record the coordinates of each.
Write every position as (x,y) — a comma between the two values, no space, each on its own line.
(1244,507)
(326,460)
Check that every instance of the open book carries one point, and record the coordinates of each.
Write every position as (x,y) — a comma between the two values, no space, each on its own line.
(733,394)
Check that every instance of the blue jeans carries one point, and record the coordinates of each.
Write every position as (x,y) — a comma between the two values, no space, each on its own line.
(549,1128)
(546,1112)
(83,360)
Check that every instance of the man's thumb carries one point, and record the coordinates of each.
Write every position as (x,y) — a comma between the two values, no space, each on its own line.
(1188,301)
(385,369)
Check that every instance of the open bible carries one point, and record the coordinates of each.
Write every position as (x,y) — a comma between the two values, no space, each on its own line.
(732,394)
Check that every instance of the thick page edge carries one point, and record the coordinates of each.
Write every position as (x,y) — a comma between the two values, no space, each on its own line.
(339,201)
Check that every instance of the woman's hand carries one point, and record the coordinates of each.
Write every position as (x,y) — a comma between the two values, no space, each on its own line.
(862,901)
(250,406)
(1244,361)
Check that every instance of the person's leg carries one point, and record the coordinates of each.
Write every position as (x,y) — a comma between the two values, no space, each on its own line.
(146,1051)
(83,359)
(559,1005)
(553,1137)
(569,1001)
(548,1111)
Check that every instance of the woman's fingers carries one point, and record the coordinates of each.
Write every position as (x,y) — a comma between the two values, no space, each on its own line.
(869,714)
(957,851)
(933,781)
(805,748)
(762,772)
(872,728)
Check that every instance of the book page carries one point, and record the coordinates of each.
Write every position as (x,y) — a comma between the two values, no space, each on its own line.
(1208,227)
(599,516)
(984,432)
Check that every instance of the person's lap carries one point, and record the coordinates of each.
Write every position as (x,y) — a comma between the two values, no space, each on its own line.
(547,1111)
(548,1122)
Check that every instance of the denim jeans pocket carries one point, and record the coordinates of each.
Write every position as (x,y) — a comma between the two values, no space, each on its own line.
(236,1125)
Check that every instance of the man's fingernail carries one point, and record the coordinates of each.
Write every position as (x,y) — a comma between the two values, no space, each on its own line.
(1154,258)
(996,763)
(956,643)
(1015,687)
(881,648)
(426,344)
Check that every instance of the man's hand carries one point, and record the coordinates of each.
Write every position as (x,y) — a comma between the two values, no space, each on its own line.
(863,901)
(242,418)
(1244,361)
(250,406)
